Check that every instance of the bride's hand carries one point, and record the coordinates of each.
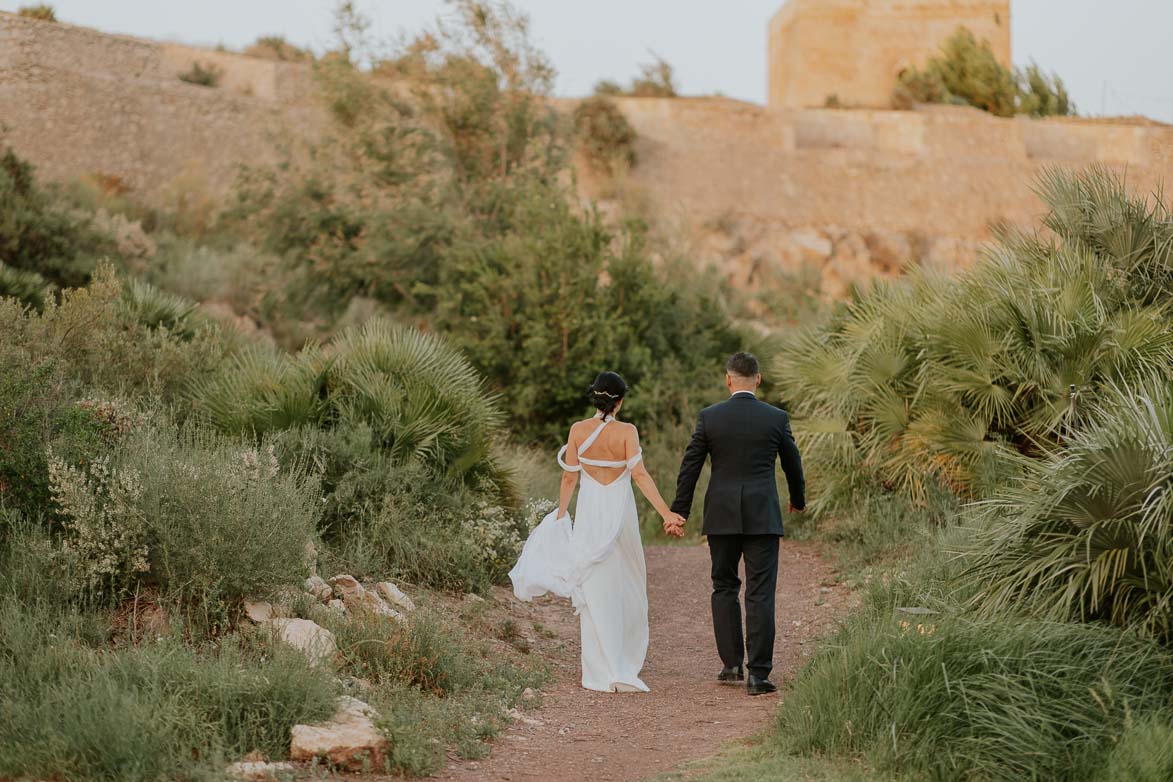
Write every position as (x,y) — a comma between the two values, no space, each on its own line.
(673,524)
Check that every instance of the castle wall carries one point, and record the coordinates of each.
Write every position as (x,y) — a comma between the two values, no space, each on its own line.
(77,102)
(854,49)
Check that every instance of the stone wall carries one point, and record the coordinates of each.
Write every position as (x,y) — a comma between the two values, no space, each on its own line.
(78,102)
(858,193)
(846,195)
(854,49)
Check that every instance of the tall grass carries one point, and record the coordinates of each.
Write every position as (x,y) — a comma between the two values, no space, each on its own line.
(945,697)
(71,707)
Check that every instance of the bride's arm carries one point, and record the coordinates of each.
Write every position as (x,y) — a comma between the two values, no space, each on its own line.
(643,479)
(569,477)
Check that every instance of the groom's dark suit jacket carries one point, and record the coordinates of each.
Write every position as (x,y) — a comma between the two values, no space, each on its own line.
(744,436)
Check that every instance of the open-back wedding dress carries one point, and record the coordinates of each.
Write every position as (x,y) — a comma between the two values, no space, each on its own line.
(597,562)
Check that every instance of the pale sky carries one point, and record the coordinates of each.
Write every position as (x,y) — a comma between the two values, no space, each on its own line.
(1116,56)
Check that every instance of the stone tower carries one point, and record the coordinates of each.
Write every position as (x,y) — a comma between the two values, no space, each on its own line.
(854,49)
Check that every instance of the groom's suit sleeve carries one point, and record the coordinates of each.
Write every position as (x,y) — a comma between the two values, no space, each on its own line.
(792,466)
(690,468)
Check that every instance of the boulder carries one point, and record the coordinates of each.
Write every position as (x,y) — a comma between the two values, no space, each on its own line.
(317,587)
(349,740)
(359,600)
(310,638)
(394,595)
(891,252)
(260,771)
(346,586)
(259,610)
(337,606)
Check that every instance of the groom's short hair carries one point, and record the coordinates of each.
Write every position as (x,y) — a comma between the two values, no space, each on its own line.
(743,364)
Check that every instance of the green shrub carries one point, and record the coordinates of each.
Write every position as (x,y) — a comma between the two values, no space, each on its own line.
(224,521)
(1040,95)
(74,708)
(966,72)
(955,379)
(937,697)
(39,235)
(111,338)
(605,136)
(203,74)
(424,533)
(41,11)
(1088,534)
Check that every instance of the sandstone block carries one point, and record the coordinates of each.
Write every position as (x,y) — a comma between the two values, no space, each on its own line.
(349,740)
(394,595)
(310,638)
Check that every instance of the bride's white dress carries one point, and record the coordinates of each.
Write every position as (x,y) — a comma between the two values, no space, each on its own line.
(597,562)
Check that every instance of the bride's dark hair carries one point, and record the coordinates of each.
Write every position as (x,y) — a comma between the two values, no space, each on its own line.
(608,391)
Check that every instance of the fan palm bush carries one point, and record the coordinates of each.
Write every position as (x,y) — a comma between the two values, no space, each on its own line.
(955,380)
(1088,534)
(414,398)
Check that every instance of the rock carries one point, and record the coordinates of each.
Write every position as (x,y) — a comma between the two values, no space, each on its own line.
(260,771)
(809,245)
(349,740)
(346,586)
(310,638)
(850,264)
(310,557)
(259,610)
(359,600)
(891,252)
(317,587)
(529,694)
(394,595)
(337,606)
(517,716)
(471,598)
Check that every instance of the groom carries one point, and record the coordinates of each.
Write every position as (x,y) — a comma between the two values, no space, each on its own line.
(743,517)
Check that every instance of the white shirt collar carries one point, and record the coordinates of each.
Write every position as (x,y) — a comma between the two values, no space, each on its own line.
(751,393)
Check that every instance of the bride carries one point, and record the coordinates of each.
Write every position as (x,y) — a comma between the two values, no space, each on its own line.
(598,560)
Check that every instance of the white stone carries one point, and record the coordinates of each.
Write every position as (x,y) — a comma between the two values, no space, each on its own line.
(317,587)
(528,694)
(349,740)
(260,771)
(337,606)
(310,638)
(259,610)
(394,595)
(517,716)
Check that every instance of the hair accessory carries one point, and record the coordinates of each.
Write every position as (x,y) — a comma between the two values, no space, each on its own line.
(604,393)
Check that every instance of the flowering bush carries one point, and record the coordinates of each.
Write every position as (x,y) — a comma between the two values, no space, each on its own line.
(106,538)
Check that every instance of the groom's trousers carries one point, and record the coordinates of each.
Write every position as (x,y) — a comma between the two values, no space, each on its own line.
(761,580)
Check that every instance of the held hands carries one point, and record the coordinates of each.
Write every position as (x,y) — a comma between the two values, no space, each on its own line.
(796,510)
(673,524)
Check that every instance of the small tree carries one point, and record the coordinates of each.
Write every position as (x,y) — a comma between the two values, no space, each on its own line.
(967,73)
(655,80)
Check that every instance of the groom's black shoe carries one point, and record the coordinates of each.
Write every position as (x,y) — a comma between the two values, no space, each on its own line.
(731,674)
(757,686)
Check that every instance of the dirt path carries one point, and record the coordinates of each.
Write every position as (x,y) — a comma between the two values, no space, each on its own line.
(581,735)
